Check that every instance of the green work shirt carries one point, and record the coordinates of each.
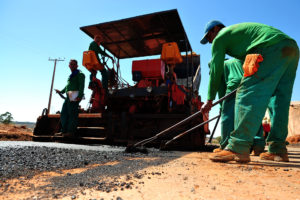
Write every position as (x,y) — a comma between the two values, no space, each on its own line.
(96,48)
(237,41)
(76,83)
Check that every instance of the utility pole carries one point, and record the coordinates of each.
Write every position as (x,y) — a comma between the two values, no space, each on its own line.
(50,96)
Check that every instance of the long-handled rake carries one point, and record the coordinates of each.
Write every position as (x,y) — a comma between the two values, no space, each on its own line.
(133,148)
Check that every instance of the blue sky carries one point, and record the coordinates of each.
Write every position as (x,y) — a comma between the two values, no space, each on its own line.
(31,31)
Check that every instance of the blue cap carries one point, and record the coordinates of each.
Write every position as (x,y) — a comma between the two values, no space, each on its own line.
(210,25)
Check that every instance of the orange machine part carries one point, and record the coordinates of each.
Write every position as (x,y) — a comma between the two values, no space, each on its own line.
(170,53)
(90,62)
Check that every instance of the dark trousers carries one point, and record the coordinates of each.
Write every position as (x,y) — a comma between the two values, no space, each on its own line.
(69,116)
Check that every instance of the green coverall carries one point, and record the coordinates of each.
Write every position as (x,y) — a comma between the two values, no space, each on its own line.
(274,78)
(95,47)
(233,73)
(69,111)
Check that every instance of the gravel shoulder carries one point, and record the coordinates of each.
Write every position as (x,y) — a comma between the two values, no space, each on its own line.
(63,171)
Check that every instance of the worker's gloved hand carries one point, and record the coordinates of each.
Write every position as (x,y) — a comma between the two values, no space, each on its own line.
(207,106)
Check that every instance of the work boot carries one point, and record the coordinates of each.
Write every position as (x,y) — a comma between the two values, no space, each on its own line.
(257,150)
(217,150)
(227,155)
(279,157)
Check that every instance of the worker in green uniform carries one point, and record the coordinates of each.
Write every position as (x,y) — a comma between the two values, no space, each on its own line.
(74,90)
(95,46)
(230,80)
(275,77)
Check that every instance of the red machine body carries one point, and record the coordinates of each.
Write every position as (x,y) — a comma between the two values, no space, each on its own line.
(150,69)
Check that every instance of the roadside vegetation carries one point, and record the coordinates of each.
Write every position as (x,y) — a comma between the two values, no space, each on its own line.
(6,118)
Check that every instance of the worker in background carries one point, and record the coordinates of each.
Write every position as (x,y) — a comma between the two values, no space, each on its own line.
(75,92)
(196,102)
(95,46)
(197,105)
(231,78)
(98,95)
(267,127)
(275,76)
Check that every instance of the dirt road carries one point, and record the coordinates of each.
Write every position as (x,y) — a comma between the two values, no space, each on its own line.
(97,173)
(163,175)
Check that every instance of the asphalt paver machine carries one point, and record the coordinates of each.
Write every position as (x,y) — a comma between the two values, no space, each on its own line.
(164,91)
